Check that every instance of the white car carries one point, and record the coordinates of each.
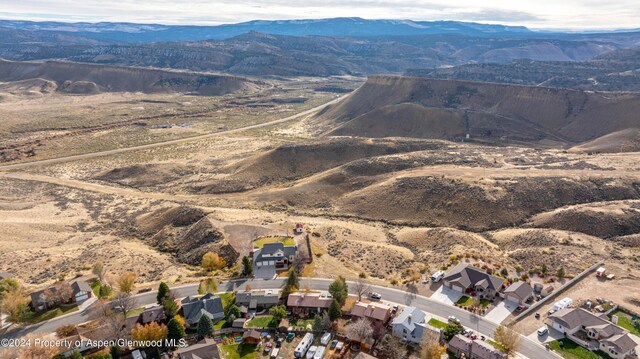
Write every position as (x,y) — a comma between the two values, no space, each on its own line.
(375,295)
(453,319)
(543,331)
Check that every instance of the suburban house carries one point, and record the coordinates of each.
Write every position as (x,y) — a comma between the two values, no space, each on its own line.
(409,325)
(594,332)
(205,349)
(210,305)
(256,300)
(61,293)
(518,292)
(272,258)
(463,347)
(376,312)
(302,304)
(473,281)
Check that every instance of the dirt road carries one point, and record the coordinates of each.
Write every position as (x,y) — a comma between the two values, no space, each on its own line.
(165,143)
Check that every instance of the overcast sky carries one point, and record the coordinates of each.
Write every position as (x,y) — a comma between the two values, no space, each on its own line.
(549,14)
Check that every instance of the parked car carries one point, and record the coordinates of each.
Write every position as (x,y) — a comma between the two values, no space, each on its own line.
(543,331)
(339,346)
(520,308)
(537,315)
(394,308)
(333,344)
(374,295)
(290,336)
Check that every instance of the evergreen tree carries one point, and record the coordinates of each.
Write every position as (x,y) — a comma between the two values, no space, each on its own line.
(205,326)
(247,267)
(335,310)
(293,280)
(339,290)
(176,330)
(163,292)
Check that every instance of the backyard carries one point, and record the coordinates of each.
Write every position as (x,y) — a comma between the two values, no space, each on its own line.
(570,350)
(287,241)
(238,351)
(262,321)
(625,321)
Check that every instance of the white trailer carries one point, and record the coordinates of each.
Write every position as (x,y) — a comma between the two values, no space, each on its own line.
(304,346)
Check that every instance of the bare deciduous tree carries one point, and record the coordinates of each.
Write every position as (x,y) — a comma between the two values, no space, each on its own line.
(299,262)
(361,287)
(114,321)
(508,339)
(124,303)
(359,330)
(392,347)
(431,348)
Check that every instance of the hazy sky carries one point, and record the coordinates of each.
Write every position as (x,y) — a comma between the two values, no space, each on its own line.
(550,14)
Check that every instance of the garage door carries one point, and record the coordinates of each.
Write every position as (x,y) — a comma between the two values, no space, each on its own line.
(82,297)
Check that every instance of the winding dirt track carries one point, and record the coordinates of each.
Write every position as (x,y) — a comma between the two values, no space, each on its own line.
(165,143)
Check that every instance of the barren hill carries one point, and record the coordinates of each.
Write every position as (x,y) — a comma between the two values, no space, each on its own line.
(80,78)
(620,141)
(449,109)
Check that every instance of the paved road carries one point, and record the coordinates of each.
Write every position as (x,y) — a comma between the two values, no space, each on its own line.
(165,143)
(529,348)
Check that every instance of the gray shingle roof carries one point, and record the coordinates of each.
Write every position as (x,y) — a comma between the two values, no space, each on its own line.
(209,305)
(573,317)
(520,289)
(409,317)
(467,276)
(205,349)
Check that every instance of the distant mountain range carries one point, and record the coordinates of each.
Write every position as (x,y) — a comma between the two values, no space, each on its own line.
(342,46)
(352,27)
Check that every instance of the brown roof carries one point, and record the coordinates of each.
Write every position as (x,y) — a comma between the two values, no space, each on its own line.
(309,300)
(376,311)
(254,334)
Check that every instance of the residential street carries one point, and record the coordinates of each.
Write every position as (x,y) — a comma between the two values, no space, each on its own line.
(529,348)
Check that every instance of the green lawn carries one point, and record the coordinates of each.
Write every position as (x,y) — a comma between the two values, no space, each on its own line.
(239,351)
(571,350)
(466,301)
(135,312)
(494,344)
(624,320)
(437,323)
(50,314)
(221,324)
(287,241)
(262,321)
